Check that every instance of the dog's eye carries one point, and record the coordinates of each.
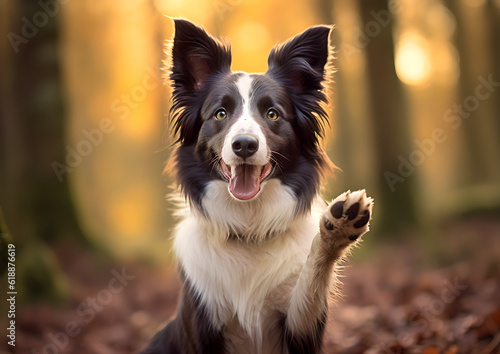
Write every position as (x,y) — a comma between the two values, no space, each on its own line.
(220,114)
(272,114)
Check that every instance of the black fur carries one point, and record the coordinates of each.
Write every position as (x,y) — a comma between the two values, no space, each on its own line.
(310,344)
(200,63)
(191,331)
(300,65)
(197,60)
(203,82)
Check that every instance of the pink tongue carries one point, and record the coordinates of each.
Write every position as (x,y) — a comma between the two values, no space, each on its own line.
(245,181)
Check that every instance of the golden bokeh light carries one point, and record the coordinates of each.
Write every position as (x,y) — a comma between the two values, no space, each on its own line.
(253,34)
(445,60)
(413,64)
(252,38)
(196,10)
(439,22)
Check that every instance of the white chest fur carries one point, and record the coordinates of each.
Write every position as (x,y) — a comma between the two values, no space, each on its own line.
(238,279)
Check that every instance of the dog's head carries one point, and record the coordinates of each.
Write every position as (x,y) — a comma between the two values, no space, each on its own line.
(245,129)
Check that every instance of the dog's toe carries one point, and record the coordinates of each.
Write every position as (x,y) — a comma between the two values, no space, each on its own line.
(353,211)
(337,209)
(363,220)
(348,217)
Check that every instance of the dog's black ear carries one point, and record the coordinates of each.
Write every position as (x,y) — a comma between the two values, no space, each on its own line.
(301,64)
(302,59)
(195,56)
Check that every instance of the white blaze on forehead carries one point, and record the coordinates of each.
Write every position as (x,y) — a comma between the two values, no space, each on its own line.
(244,85)
(245,125)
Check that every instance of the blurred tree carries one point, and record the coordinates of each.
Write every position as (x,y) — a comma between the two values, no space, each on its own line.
(371,123)
(494,22)
(477,108)
(36,204)
(391,123)
(324,11)
(5,240)
(353,143)
(112,77)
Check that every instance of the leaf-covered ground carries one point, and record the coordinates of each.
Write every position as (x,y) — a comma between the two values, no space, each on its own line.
(425,295)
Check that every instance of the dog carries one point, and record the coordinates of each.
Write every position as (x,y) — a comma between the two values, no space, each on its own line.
(257,247)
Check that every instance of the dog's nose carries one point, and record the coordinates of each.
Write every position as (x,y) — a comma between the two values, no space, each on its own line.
(245,146)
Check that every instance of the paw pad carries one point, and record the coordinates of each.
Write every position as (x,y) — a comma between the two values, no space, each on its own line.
(363,220)
(353,211)
(337,209)
(348,215)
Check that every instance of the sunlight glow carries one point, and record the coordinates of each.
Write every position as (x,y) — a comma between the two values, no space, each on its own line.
(253,34)
(413,65)
(251,42)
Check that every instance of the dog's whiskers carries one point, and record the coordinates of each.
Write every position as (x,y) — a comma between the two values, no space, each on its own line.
(215,162)
(279,154)
(277,164)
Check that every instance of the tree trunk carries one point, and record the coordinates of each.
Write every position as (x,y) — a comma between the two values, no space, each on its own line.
(390,118)
(37,206)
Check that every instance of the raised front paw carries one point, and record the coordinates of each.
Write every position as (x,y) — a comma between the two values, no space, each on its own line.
(346,218)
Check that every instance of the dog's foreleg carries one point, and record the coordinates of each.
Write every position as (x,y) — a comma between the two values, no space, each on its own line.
(344,221)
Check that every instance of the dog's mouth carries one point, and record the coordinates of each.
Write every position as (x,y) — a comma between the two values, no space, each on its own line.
(245,180)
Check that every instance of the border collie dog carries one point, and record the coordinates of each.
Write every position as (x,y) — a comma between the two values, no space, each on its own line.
(257,247)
